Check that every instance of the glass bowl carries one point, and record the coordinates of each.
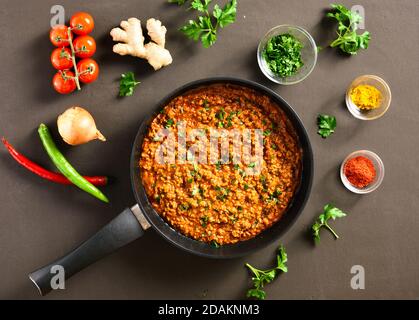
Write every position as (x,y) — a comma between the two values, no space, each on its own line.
(379,168)
(308,54)
(381,85)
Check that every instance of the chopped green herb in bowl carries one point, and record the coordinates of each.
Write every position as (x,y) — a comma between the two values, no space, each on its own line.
(283,55)
(287,54)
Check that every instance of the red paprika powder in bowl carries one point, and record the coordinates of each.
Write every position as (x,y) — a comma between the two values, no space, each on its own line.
(362,171)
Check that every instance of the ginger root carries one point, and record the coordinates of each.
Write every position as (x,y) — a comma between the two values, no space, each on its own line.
(132,37)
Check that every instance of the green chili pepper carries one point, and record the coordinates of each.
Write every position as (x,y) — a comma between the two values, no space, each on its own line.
(65,167)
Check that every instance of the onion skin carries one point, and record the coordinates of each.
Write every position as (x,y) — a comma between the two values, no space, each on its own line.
(77,126)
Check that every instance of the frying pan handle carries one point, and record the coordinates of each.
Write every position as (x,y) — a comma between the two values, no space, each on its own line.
(125,228)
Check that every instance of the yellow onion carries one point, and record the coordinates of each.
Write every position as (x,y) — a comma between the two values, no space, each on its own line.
(77,126)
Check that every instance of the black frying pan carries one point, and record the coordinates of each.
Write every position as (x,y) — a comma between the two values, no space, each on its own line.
(131,223)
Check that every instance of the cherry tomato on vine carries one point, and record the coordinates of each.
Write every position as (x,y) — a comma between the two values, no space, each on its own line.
(84,46)
(88,70)
(63,82)
(59,36)
(82,23)
(61,58)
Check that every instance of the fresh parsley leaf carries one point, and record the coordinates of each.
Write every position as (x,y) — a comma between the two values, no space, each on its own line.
(127,84)
(348,40)
(205,27)
(329,212)
(227,15)
(327,125)
(256,293)
(262,277)
(201,6)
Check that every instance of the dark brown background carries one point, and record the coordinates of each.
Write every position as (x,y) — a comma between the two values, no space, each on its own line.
(40,221)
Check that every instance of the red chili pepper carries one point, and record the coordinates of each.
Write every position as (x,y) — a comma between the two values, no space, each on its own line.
(46,174)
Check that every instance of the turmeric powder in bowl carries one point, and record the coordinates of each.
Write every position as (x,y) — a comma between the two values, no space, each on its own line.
(366,97)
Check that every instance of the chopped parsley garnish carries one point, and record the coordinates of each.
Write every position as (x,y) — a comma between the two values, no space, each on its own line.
(206,105)
(184,206)
(230,118)
(274,196)
(214,244)
(157,198)
(204,221)
(222,193)
(264,183)
(252,165)
(169,123)
(220,114)
(267,132)
(242,172)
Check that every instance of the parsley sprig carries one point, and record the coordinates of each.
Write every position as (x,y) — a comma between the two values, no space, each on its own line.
(329,212)
(262,277)
(348,40)
(127,84)
(327,125)
(206,26)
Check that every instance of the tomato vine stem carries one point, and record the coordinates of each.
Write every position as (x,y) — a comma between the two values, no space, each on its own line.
(73,58)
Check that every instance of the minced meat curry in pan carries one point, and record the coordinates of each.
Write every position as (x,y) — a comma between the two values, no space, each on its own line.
(222,201)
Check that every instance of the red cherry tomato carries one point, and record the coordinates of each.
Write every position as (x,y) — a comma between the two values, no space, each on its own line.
(59,36)
(88,70)
(61,58)
(85,46)
(82,23)
(63,82)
